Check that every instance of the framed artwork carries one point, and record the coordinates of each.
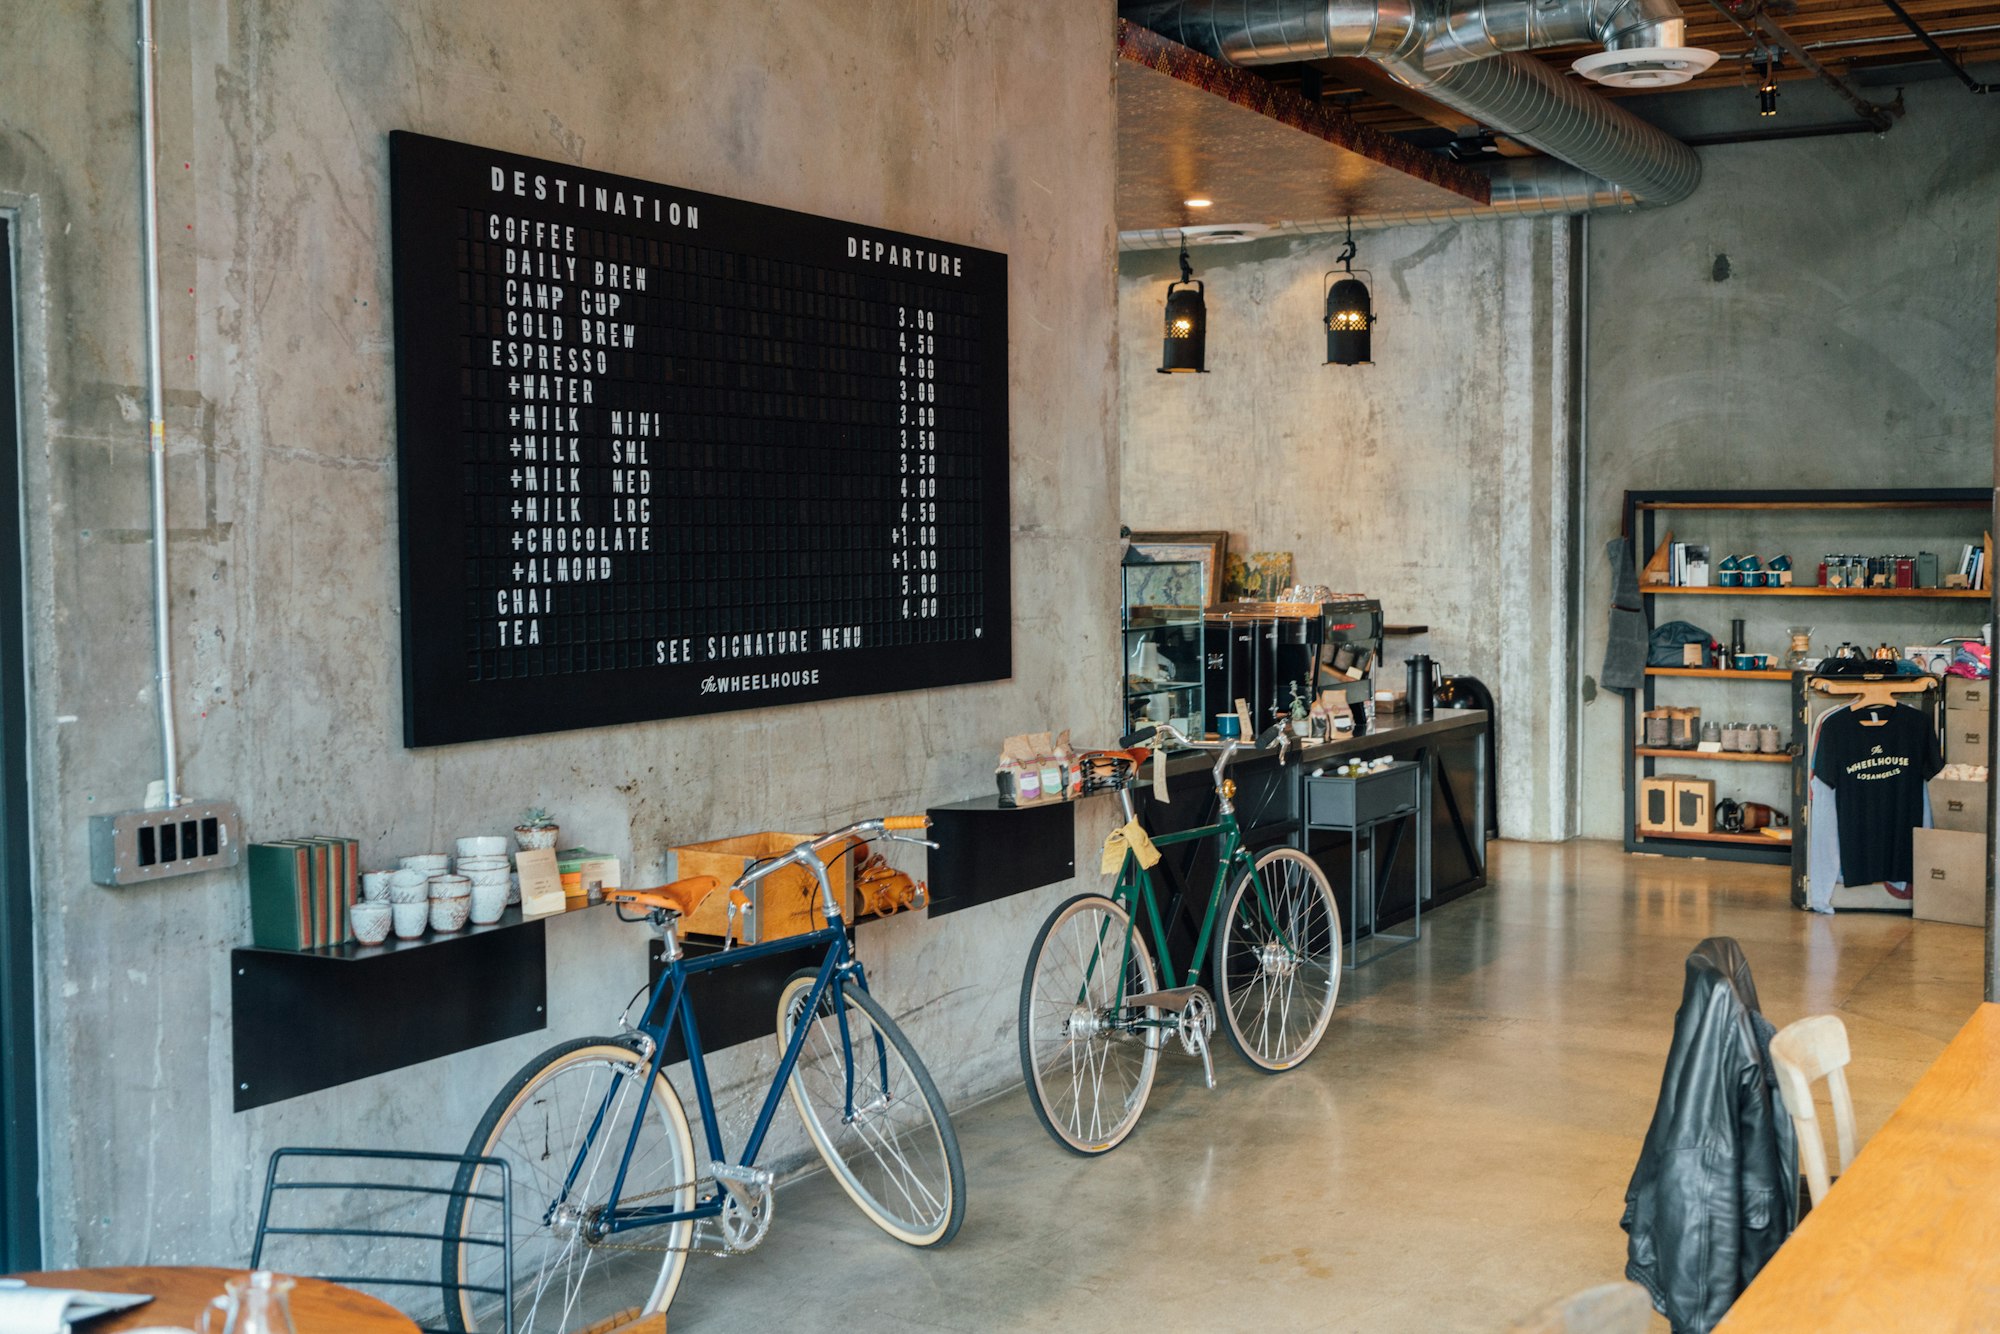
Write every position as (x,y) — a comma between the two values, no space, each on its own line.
(1211,549)
(1259,577)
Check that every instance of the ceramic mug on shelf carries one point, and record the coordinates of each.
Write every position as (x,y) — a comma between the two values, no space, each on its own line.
(370,920)
(375,885)
(408,886)
(411,918)
(449,912)
(483,845)
(450,886)
(489,900)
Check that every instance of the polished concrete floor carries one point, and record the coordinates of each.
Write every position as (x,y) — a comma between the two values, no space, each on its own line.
(1453,1156)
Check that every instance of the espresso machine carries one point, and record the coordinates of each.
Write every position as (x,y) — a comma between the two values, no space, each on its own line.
(1266,652)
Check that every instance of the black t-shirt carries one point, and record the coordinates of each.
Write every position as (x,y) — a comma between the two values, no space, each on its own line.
(1877,775)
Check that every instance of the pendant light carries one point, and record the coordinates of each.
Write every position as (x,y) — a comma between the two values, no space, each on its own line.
(1349,311)
(1184,350)
(1767,96)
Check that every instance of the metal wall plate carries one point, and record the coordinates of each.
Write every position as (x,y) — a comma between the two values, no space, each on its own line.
(137,847)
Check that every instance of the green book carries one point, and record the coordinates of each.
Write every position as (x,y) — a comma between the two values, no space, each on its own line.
(280,895)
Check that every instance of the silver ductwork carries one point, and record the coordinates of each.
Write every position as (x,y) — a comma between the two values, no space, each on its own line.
(1480,29)
(1521,189)
(1450,52)
(1526,100)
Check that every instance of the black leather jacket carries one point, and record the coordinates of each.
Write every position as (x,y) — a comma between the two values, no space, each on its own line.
(1716,1188)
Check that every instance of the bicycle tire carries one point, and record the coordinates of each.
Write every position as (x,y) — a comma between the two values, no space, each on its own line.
(518,1106)
(1278,974)
(924,1145)
(1048,1028)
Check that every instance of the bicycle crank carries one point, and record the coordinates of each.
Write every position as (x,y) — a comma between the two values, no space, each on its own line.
(747,1199)
(1194,1019)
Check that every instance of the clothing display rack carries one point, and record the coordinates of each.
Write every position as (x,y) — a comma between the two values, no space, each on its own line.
(1860,691)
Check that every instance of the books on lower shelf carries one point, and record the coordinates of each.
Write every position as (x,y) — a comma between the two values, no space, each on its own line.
(300,889)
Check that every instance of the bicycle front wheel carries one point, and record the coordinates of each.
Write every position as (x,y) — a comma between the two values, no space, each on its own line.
(872,1111)
(562,1124)
(1088,1068)
(1278,965)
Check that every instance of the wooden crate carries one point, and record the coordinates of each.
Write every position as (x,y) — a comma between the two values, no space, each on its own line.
(786,904)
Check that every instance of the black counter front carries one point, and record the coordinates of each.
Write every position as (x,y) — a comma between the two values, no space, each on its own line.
(1268,806)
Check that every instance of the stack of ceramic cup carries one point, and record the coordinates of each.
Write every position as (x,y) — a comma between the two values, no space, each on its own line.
(483,862)
(431,891)
(371,916)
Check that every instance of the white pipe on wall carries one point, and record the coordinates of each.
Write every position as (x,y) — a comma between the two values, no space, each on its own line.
(156,406)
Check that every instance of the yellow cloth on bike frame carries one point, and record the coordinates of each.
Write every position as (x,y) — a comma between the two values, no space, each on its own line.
(1128,835)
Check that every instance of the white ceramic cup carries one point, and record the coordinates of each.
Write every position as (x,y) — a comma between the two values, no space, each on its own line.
(408,886)
(488,902)
(450,886)
(369,920)
(430,863)
(498,876)
(483,845)
(467,865)
(411,918)
(513,889)
(375,885)
(449,913)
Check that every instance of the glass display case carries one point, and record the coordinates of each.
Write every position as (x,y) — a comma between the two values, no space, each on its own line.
(1162,608)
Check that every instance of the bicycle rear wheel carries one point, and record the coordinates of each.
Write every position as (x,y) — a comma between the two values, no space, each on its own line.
(541,1124)
(1278,960)
(1088,1078)
(872,1111)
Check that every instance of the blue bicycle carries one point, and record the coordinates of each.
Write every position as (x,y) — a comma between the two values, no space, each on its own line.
(608,1196)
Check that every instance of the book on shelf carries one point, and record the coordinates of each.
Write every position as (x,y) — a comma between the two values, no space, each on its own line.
(300,889)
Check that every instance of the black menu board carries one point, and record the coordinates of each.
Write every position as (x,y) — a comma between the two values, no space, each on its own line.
(665,453)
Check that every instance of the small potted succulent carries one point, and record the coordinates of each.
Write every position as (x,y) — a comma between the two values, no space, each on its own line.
(536,829)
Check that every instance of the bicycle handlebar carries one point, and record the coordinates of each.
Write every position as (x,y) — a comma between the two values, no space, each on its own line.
(864,829)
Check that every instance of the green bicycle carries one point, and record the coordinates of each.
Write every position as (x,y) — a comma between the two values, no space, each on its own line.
(1094,1017)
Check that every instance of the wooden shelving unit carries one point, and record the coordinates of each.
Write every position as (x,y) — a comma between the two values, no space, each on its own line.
(1733,756)
(1815,591)
(1742,840)
(1720,673)
(1642,523)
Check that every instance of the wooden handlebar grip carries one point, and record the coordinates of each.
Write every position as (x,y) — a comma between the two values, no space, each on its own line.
(907,822)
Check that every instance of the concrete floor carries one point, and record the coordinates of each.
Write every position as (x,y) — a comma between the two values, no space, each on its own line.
(1454,1155)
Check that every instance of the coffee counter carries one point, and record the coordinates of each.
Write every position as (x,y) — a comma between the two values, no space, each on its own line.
(1269,798)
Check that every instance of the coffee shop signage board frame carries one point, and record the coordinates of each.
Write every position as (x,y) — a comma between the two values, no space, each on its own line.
(664,453)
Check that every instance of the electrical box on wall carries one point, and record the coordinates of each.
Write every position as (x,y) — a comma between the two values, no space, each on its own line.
(136,847)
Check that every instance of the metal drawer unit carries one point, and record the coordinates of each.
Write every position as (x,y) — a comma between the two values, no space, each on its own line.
(1359,807)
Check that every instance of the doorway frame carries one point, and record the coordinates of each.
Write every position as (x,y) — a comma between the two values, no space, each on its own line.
(20,1136)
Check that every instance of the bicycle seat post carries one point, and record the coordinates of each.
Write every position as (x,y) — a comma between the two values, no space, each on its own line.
(666,927)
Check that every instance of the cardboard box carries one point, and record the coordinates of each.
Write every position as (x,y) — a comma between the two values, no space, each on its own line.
(1948,879)
(1957,804)
(1962,693)
(1964,736)
(1694,805)
(1656,802)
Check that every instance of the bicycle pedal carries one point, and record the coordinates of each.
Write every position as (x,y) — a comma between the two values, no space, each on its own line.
(1197,1022)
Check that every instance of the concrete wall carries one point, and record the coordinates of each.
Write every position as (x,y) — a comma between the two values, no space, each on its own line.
(1819,314)
(1436,479)
(274,160)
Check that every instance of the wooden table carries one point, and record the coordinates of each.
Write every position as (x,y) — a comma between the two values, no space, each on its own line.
(181,1291)
(1909,1236)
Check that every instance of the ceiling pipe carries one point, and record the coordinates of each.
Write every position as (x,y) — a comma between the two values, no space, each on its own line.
(1513,94)
(1521,189)
(1877,116)
(1943,56)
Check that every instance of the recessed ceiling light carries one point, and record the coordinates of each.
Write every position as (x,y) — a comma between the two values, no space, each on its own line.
(1198,203)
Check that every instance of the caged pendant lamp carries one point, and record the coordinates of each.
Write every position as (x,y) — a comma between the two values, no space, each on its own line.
(1350,312)
(1184,350)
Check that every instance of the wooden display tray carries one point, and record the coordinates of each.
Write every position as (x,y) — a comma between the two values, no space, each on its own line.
(1721,673)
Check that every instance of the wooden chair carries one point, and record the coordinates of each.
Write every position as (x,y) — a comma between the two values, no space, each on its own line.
(1811,1049)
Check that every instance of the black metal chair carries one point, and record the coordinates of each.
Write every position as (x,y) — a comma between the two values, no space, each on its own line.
(429,1272)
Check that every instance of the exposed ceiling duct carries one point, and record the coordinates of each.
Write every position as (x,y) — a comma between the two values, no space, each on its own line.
(1521,189)
(1463,53)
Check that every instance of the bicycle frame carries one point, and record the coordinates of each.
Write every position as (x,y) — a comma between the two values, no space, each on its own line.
(838,969)
(1134,892)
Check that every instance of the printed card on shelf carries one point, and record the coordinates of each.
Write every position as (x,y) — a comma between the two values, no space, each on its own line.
(541,882)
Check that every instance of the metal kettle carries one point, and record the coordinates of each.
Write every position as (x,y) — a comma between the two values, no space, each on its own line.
(1421,686)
